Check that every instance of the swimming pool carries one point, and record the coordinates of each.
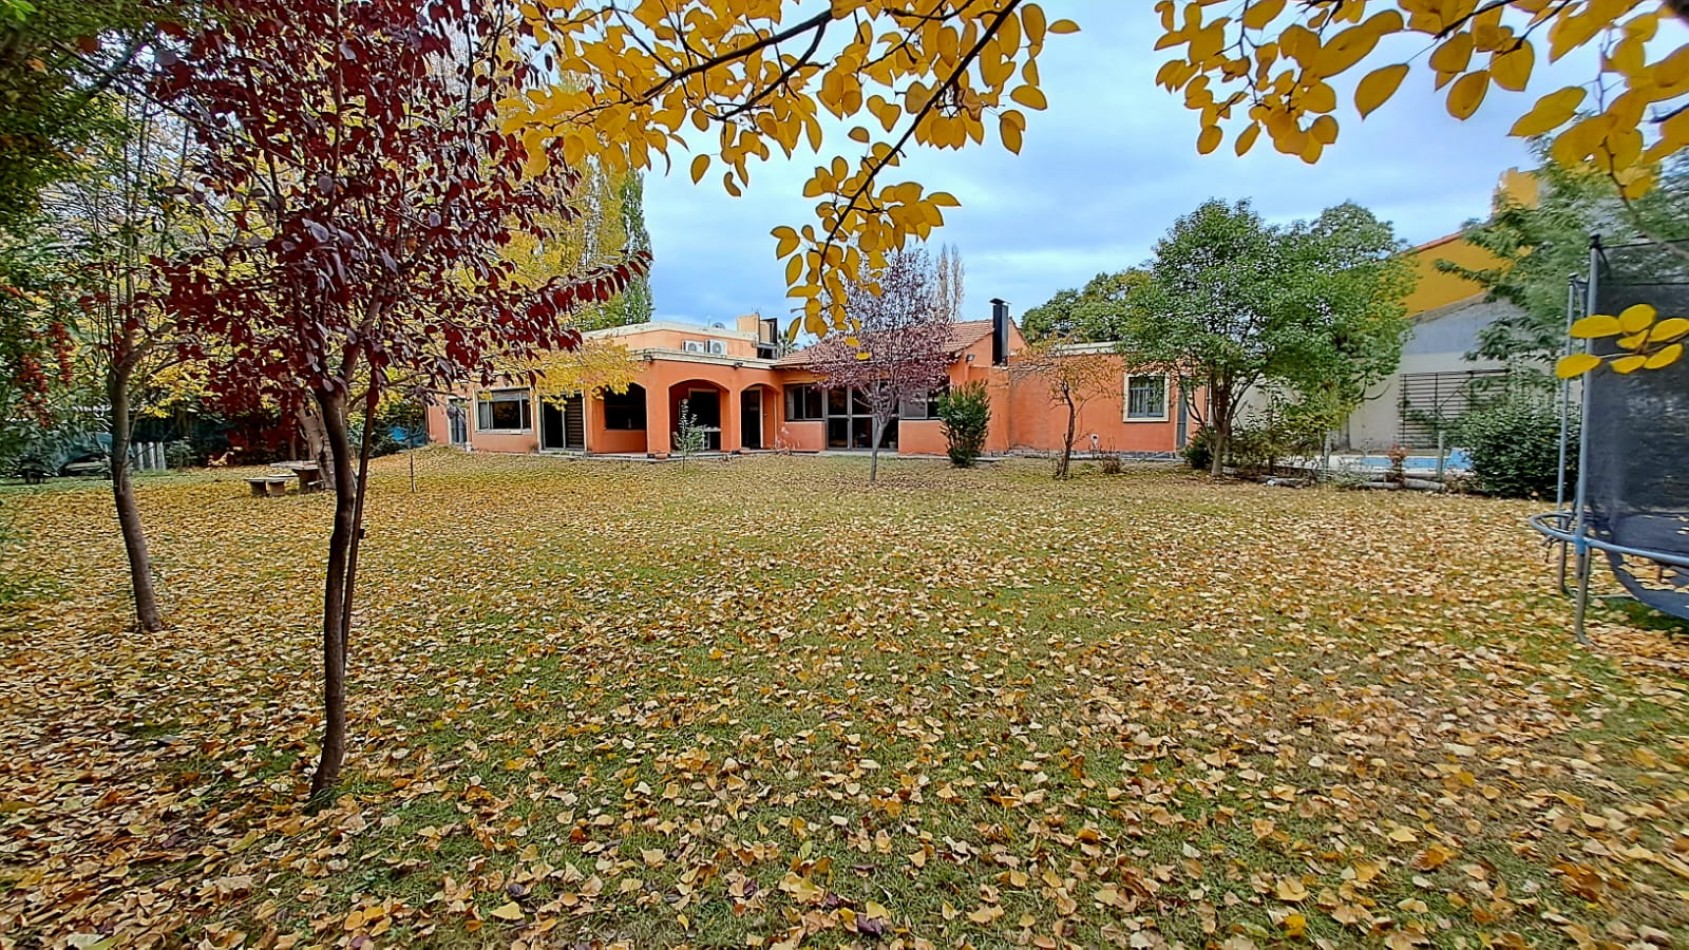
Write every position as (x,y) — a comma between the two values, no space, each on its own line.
(1458,461)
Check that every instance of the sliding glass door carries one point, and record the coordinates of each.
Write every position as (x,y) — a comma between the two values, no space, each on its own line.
(850,424)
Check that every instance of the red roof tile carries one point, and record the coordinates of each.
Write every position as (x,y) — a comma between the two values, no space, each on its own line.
(962,336)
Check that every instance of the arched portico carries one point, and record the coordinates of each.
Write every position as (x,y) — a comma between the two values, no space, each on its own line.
(712,406)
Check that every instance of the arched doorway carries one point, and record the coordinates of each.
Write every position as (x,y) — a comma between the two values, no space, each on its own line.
(708,405)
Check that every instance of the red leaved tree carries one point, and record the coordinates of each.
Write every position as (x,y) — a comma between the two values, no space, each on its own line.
(356,152)
(899,347)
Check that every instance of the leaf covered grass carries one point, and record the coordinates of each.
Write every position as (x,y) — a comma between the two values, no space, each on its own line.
(762,703)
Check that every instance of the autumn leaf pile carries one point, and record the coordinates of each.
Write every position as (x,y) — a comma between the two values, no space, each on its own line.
(760,703)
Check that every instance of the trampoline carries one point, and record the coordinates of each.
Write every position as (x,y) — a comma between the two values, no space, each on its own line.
(1631,498)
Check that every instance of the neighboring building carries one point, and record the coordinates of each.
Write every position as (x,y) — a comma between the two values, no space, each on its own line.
(748,397)
(1436,383)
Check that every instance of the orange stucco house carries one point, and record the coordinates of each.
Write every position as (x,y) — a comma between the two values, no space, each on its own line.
(748,397)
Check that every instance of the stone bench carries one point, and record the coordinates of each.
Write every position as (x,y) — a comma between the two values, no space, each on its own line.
(269,485)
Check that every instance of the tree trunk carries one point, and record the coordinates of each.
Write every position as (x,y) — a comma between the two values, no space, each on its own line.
(1067,446)
(337,584)
(317,447)
(874,450)
(1219,408)
(123,495)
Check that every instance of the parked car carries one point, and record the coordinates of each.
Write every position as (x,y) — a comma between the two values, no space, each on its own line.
(86,463)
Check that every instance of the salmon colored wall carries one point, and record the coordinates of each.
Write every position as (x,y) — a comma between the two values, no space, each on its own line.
(921,437)
(504,441)
(439,432)
(662,375)
(1039,422)
(805,436)
(1023,416)
(611,441)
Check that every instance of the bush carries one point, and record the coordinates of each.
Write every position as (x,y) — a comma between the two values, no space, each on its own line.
(1250,448)
(180,454)
(1515,447)
(966,413)
(1199,450)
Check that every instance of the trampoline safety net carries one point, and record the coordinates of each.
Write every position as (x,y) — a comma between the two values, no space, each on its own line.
(1637,469)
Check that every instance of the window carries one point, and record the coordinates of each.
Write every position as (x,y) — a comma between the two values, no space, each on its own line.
(923,407)
(1146,399)
(625,411)
(803,403)
(504,410)
(850,424)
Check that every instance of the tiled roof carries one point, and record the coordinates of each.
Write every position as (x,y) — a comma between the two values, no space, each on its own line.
(962,336)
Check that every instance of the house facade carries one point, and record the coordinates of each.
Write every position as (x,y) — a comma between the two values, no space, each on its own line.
(747,396)
(1435,383)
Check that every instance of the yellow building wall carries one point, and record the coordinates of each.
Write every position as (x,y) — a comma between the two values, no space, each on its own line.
(1436,289)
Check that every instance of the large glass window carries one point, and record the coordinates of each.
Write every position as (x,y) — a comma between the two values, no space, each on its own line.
(1146,398)
(506,410)
(625,411)
(803,403)
(850,424)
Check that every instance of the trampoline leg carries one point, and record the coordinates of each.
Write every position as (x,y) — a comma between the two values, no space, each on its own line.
(1582,610)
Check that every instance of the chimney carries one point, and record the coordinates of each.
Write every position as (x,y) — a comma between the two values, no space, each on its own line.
(999,332)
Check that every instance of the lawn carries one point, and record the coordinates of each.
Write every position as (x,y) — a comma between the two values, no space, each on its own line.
(761,703)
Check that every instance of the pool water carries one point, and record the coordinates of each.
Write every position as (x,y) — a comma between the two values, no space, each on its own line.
(1458,461)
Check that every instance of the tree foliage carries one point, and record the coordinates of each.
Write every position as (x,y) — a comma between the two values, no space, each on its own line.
(1271,67)
(1539,244)
(1645,340)
(370,194)
(752,79)
(898,349)
(37,352)
(950,282)
(592,368)
(1234,302)
(755,75)
(605,227)
(121,211)
(58,59)
(1096,313)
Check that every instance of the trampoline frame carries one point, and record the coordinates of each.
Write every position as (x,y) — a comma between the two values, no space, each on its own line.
(1570,527)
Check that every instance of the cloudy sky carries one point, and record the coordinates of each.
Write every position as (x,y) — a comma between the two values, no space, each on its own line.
(1102,175)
